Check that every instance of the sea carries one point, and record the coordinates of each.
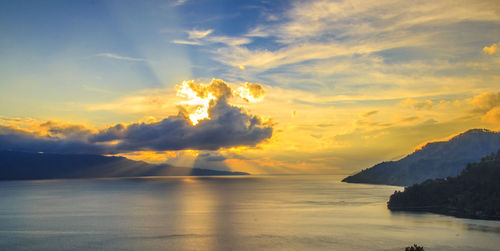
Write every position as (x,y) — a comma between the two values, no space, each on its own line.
(223,213)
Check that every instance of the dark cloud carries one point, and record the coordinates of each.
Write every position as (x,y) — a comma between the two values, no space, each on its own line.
(212,157)
(109,134)
(227,126)
(19,140)
(73,131)
(211,160)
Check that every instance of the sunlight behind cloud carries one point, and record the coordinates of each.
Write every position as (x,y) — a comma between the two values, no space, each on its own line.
(201,96)
(347,83)
(252,93)
(197,104)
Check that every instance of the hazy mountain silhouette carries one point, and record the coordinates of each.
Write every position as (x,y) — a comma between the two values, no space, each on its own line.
(23,165)
(475,193)
(435,160)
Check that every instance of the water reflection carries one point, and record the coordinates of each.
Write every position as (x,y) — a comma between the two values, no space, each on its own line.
(223,213)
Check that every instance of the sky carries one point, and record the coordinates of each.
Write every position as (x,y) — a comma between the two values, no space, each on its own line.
(265,87)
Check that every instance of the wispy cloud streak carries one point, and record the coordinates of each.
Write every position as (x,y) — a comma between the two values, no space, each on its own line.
(118,57)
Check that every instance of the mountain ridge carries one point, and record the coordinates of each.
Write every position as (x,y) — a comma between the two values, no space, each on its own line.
(438,159)
(15,165)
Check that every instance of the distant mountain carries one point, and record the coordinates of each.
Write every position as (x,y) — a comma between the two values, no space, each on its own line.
(24,165)
(434,160)
(475,193)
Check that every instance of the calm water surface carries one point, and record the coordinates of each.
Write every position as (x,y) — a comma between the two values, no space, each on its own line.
(223,213)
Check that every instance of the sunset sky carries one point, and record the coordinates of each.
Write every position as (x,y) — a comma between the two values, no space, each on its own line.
(288,86)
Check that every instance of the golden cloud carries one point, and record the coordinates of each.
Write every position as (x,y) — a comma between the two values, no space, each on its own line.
(417,104)
(488,105)
(490,50)
(200,97)
(251,92)
(492,116)
(485,101)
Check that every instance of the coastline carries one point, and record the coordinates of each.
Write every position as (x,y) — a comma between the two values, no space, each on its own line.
(446,211)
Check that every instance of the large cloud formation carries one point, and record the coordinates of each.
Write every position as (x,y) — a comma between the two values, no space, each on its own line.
(223,126)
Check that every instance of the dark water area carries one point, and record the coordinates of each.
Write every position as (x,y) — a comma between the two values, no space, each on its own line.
(223,213)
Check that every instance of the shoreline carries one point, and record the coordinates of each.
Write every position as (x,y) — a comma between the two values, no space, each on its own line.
(446,211)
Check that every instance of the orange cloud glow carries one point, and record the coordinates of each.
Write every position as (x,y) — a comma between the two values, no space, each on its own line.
(490,50)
